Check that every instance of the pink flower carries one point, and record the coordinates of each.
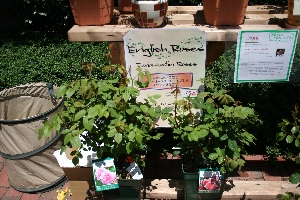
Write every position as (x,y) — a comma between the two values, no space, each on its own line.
(105,176)
(211,185)
(99,172)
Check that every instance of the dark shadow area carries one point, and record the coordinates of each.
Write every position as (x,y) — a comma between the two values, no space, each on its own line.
(276,9)
(278,21)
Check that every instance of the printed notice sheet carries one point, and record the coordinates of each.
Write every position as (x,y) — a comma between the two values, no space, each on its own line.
(172,56)
(264,56)
(296,10)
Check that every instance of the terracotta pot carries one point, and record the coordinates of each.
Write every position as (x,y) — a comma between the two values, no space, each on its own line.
(224,12)
(150,14)
(293,21)
(92,12)
(125,6)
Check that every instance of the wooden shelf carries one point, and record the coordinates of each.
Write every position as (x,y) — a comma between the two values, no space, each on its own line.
(257,18)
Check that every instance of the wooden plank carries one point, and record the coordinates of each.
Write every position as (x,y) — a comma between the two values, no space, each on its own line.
(234,189)
(162,189)
(117,32)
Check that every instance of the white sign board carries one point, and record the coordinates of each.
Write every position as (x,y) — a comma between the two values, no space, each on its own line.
(296,10)
(264,56)
(174,56)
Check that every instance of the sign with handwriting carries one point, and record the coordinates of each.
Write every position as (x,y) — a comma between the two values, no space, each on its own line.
(264,56)
(174,57)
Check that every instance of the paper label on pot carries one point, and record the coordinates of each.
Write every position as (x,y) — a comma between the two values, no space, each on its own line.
(210,181)
(135,171)
(105,176)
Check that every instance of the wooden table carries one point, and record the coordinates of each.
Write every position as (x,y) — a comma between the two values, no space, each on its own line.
(257,18)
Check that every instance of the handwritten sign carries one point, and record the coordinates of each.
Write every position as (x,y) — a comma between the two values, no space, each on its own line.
(264,56)
(172,56)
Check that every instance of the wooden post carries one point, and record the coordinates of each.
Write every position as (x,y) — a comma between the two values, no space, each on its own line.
(117,53)
(213,51)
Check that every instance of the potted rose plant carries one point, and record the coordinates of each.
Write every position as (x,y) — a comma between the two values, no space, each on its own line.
(212,134)
(105,117)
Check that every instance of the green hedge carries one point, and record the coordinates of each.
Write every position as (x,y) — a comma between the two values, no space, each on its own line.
(48,60)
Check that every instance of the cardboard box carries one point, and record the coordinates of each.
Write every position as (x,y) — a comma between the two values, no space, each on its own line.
(83,187)
(82,183)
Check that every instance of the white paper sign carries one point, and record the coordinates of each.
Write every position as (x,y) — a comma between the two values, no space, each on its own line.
(264,56)
(172,56)
(296,10)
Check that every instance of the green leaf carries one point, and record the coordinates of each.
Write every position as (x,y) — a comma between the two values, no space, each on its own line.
(47,131)
(298,160)
(234,164)
(76,132)
(92,112)
(188,128)
(139,138)
(220,159)
(295,178)
(201,95)
(224,137)
(214,132)
(219,151)
(203,133)
(213,156)
(61,91)
(41,133)
(88,123)
(232,145)
(131,136)
(75,160)
(156,96)
(297,143)
(67,138)
(193,136)
(148,76)
(128,147)
(70,92)
(126,96)
(76,142)
(118,138)
(280,136)
(80,114)
(294,130)
(158,109)
(130,111)
(167,110)
(111,104)
(65,131)
(144,108)
(152,113)
(289,139)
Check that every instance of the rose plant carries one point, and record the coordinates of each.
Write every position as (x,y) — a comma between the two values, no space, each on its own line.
(212,129)
(106,114)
